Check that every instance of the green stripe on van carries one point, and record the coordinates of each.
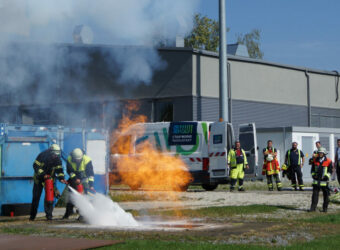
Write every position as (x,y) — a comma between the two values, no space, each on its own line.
(205,131)
(166,138)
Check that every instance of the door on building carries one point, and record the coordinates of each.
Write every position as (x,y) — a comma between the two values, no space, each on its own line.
(307,148)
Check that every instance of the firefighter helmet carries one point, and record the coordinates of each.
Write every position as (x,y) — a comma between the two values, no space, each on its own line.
(55,149)
(77,154)
(321,150)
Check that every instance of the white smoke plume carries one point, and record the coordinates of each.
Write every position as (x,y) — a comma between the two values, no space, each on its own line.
(100,210)
(113,22)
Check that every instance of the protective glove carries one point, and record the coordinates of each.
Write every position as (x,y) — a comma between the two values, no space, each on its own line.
(310,161)
(325,178)
(57,194)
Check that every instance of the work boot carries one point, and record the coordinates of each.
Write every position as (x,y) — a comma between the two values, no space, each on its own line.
(279,189)
(49,218)
(31,219)
(65,217)
(311,210)
(301,189)
(324,210)
(241,189)
(232,189)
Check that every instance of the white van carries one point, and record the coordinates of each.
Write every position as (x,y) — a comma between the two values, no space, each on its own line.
(203,146)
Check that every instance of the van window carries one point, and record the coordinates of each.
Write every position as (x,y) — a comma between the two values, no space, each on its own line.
(247,140)
(218,139)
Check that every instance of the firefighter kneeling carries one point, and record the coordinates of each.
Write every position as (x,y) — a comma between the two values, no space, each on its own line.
(237,160)
(80,170)
(271,166)
(321,172)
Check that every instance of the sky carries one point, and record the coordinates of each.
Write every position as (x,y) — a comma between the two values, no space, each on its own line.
(296,32)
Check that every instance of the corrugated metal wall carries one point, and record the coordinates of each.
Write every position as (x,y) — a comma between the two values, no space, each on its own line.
(263,114)
(325,118)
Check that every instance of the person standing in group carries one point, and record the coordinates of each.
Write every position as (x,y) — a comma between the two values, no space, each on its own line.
(237,160)
(271,166)
(46,166)
(295,160)
(315,152)
(321,172)
(337,160)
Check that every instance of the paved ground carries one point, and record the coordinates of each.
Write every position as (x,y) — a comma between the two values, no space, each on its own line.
(22,242)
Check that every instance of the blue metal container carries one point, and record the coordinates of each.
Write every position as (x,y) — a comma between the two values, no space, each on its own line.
(21,144)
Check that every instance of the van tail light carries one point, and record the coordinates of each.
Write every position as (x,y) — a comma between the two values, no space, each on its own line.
(205,164)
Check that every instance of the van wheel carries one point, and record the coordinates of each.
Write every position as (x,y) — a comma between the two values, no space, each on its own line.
(209,187)
(134,186)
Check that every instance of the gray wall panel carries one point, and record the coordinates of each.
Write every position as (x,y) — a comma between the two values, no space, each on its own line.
(263,114)
(207,108)
(325,117)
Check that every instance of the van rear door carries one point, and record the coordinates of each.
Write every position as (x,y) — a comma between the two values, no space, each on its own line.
(247,137)
(218,141)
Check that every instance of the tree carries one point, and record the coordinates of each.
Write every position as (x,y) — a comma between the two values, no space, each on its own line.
(205,35)
(252,41)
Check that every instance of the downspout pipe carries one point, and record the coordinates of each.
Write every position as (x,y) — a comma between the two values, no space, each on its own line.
(308,99)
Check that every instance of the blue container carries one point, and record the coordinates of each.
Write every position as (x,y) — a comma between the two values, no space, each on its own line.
(21,144)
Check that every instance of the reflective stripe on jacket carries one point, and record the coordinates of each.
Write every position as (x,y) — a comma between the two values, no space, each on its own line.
(299,160)
(232,158)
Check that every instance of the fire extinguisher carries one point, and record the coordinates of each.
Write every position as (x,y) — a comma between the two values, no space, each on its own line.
(80,188)
(49,190)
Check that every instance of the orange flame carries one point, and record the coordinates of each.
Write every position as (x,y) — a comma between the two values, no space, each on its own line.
(144,166)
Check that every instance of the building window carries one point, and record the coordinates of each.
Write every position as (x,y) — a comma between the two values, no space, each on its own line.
(164,111)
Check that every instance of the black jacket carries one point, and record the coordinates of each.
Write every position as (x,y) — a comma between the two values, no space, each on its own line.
(47,164)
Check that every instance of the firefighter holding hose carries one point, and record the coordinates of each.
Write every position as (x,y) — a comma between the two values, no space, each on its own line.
(80,170)
(47,167)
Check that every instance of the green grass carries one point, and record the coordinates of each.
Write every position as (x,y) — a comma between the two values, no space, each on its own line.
(151,244)
(326,242)
(214,212)
(327,218)
(127,197)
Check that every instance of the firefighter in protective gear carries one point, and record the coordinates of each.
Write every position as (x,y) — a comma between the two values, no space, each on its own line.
(47,165)
(321,172)
(295,160)
(80,170)
(237,160)
(271,166)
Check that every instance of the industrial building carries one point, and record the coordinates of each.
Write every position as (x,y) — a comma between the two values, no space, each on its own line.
(269,94)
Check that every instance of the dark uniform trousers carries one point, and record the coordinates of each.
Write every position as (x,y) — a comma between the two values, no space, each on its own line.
(315,196)
(48,206)
(270,180)
(295,171)
(338,171)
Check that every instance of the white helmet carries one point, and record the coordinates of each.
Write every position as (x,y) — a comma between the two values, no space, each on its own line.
(55,149)
(270,157)
(77,154)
